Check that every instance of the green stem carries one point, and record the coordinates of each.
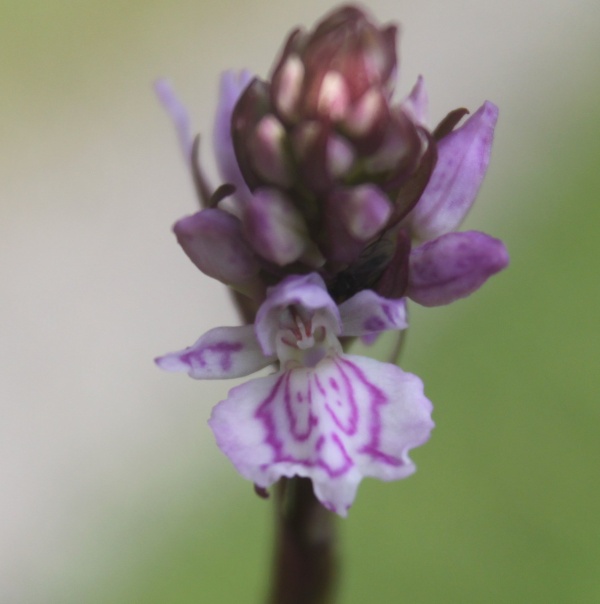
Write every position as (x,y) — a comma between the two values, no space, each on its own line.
(305,560)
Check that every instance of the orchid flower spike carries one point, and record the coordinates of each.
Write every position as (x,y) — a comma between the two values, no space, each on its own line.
(338,204)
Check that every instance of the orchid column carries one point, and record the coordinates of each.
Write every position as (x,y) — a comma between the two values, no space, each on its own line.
(337,204)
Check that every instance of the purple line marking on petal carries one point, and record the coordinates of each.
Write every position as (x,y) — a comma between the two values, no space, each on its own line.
(263,414)
(225,349)
(319,385)
(378,398)
(348,463)
(266,414)
(293,413)
(382,457)
(351,405)
(321,463)
(310,449)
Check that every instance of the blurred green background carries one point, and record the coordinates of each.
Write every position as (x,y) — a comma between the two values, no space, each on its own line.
(111,488)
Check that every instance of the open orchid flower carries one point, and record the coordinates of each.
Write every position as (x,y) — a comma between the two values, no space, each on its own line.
(333,417)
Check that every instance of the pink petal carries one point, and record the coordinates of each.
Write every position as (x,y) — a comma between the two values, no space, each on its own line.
(232,86)
(347,418)
(416,104)
(178,114)
(223,352)
(213,241)
(368,313)
(453,266)
(463,158)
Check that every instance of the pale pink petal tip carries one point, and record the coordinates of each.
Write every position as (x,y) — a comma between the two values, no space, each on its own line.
(463,158)
(416,104)
(223,352)
(178,114)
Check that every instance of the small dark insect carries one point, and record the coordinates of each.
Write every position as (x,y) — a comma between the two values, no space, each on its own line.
(365,272)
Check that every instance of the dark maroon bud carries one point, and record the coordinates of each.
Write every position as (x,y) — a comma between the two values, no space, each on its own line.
(366,122)
(268,154)
(253,105)
(327,71)
(287,80)
(394,279)
(347,42)
(323,135)
(398,153)
(310,142)
(407,194)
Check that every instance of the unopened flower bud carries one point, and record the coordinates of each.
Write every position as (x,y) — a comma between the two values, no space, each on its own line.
(212,240)
(274,227)
(310,143)
(398,152)
(347,43)
(267,152)
(362,117)
(286,89)
(334,97)
(340,156)
(252,106)
(363,210)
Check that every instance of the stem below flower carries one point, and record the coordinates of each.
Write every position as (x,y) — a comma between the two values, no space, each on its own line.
(305,561)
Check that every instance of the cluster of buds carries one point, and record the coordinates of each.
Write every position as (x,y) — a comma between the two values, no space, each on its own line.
(338,203)
(325,172)
(322,140)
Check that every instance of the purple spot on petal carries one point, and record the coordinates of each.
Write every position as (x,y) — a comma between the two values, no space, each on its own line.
(224,349)
(301,419)
(374,324)
(348,402)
